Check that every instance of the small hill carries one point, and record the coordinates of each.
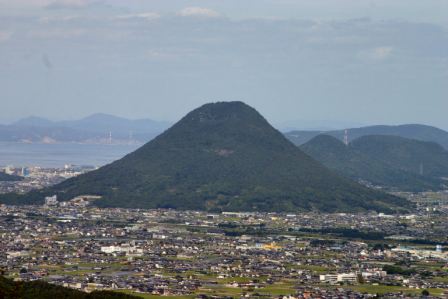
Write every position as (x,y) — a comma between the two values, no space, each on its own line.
(356,163)
(424,158)
(221,156)
(411,131)
(9,178)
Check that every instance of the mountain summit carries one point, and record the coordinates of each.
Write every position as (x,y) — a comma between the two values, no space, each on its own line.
(221,156)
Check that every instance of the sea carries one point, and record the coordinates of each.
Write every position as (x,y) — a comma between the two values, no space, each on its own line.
(59,154)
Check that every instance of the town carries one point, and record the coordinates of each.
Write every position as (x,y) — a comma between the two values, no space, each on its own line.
(31,178)
(191,254)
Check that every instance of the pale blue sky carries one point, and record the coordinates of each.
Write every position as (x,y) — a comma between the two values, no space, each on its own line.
(324,62)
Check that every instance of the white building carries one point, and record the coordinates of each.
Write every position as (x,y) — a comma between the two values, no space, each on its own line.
(128,249)
(16,254)
(343,277)
(51,200)
(9,170)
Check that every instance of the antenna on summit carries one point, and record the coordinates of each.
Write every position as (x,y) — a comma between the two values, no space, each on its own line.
(346,137)
(110,137)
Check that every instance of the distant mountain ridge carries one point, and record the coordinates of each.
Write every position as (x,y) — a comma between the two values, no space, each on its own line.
(32,121)
(118,125)
(96,128)
(99,127)
(220,156)
(388,161)
(411,131)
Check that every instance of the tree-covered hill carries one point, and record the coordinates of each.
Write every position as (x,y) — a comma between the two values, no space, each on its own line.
(221,156)
(410,131)
(425,158)
(387,161)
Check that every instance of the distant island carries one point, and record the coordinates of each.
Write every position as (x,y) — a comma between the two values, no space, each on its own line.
(98,128)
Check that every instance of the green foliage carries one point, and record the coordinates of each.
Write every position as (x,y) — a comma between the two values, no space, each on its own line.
(410,155)
(380,246)
(4,177)
(42,290)
(222,156)
(388,161)
(392,269)
(346,233)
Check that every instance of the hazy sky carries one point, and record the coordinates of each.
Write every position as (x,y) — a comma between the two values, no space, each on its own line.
(323,62)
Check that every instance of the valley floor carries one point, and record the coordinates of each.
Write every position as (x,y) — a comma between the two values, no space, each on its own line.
(190,254)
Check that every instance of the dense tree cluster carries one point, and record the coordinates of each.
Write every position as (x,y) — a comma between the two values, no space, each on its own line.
(393,269)
(346,233)
(4,177)
(41,290)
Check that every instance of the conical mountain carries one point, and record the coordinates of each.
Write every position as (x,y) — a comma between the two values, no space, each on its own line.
(221,156)
(362,160)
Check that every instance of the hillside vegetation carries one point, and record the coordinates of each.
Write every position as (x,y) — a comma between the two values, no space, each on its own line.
(221,156)
(389,161)
(42,290)
(9,178)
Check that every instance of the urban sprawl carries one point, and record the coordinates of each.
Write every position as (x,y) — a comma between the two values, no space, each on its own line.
(191,254)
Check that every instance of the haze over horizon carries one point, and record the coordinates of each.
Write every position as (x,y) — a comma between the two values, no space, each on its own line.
(353,62)
(284,126)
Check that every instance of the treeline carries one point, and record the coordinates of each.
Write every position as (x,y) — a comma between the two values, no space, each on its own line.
(10,289)
(9,178)
(393,269)
(235,230)
(428,242)
(346,233)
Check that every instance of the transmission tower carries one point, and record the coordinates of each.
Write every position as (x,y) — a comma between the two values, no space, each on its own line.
(346,137)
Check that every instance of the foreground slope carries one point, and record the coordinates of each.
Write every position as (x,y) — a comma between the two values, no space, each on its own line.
(362,160)
(221,156)
(10,289)
(410,131)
